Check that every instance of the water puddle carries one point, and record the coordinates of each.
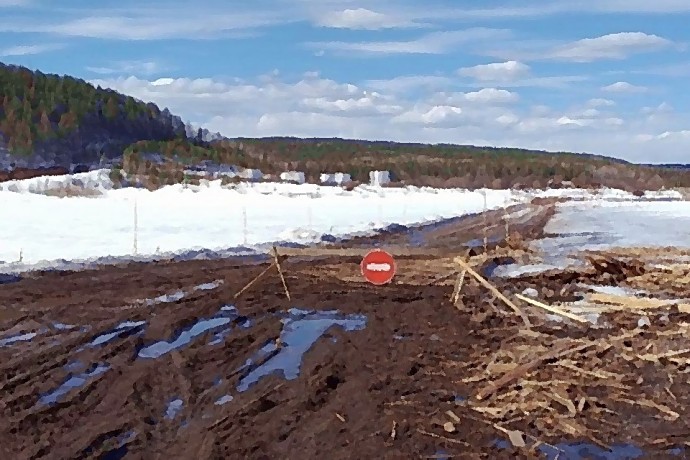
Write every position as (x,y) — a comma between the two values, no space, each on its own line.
(26,337)
(174,407)
(63,327)
(121,450)
(74,366)
(208,286)
(166,298)
(180,294)
(220,336)
(583,450)
(440,455)
(123,329)
(476,243)
(225,316)
(223,400)
(8,279)
(301,329)
(613,290)
(72,383)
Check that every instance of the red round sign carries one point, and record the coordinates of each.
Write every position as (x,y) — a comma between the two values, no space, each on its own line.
(378,267)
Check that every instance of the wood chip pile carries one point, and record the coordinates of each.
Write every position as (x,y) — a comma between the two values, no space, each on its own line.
(556,381)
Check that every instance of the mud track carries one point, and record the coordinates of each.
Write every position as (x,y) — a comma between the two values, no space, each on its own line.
(377,390)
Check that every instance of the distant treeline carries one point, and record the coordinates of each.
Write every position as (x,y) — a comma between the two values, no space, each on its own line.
(417,164)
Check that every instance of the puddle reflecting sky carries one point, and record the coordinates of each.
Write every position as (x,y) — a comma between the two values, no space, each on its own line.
(17,338)
(174,407)
(586,451)
(225,316)
(301,329)
(74,381)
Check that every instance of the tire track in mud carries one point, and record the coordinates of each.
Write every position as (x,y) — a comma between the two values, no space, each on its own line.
(120,356)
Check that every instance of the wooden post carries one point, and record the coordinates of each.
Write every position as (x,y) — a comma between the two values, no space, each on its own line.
(458,287)
(493,290)
(256,278)
(507,224)
(552,309)
(276,262)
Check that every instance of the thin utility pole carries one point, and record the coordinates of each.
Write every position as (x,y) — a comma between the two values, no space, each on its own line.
(136,226)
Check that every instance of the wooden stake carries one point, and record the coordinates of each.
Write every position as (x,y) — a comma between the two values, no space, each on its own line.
(552,309)
(280,271)
(506,220)
(458,287)
(495,291)
(256,278)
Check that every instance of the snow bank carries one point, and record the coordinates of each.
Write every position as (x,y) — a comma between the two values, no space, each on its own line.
(603,193)
(335,178)
(92,180)
(378,178)
(293,176)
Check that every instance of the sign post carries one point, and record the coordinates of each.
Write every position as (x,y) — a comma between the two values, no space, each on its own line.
(378,267)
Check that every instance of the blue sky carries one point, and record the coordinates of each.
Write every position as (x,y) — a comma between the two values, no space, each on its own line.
(606,76)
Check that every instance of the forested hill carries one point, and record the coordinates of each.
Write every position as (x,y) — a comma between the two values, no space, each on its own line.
(60,120)
(52,120)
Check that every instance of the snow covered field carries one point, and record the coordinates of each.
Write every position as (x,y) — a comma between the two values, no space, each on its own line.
(174,219)
(39,228)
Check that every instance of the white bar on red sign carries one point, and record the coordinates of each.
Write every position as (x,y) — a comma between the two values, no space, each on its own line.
(379,267)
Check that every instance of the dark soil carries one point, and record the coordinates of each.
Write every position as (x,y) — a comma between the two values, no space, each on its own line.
(400,373)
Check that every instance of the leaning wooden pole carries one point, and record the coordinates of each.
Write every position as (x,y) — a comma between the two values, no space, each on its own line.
(458,288)
(256,278)
(276,262)
(495,291)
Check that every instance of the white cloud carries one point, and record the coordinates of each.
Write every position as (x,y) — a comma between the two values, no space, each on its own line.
(129,68)
(147,25)
(363,19)
(492,96)
(26,50)
(624,87)
(407,83)
(497,71)
(611,46)
(317,107)
(433,43)
(438,115)
(599,102)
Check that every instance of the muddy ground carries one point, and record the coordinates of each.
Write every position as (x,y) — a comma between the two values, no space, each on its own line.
(375,384)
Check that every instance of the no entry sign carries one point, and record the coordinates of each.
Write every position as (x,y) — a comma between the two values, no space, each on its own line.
(378,267)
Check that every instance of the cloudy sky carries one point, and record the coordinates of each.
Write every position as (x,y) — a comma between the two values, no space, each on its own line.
(599,76)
